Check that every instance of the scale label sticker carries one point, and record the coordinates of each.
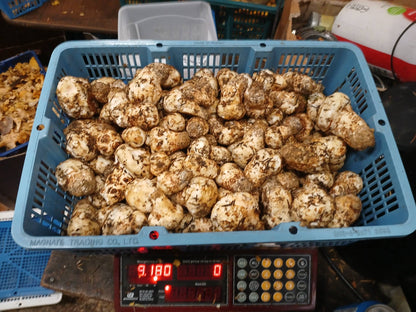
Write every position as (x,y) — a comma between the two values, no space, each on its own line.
(146,295)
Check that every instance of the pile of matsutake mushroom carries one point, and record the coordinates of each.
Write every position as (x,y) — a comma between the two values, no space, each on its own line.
(218,152)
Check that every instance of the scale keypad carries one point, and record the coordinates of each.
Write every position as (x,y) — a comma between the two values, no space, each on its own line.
(272,279)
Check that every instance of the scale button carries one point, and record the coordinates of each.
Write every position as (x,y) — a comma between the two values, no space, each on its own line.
(253,285)
(266,263)
(278,285)
(253,274)
(254,262)
(277,296)
(301,285)
(265,297)
(278,262)
(278,274)
(242,262)
(241,285)
(266,285)
(302,263)
(290,262)
(265,274)
(290,274)
(241,274)
(241,297)
(253,297)
(301,297)
(289,296)
(302,274)
(290,285)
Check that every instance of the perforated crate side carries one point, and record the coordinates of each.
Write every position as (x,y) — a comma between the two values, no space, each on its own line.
(20,270)
(44,210)
(16,8)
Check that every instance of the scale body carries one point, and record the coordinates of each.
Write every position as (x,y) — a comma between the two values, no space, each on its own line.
(244,280)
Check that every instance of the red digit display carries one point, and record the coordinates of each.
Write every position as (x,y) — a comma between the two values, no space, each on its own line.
(198,272)
(149,273)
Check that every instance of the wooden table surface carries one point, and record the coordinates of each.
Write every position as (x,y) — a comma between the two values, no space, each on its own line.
(73,15)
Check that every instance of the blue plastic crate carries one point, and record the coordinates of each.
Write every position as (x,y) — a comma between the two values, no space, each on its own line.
(4,66)
(16,8)
(43,209)
(21,270)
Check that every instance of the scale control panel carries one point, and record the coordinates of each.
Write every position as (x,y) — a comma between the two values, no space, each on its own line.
(251,280)
(272,279)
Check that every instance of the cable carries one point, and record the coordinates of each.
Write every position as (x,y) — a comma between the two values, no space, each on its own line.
(394,48)
(339,273)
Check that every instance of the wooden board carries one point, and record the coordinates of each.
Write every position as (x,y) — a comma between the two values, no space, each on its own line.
(80,274)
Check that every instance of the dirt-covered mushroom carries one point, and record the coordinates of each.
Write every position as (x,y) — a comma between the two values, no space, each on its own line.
(348,209)
(347,182)
(83,220)
(134,160)
(231,106)
(140,194)
(220,155)
(199,225)
(237,212)
(87,138)
(225,133)
(174,122)
(265,162)
(302,83)
(336,116)
(165,213)
(313,206)
(115,185)
(201,166)
(318,154)
(201,147)
(173,181)
(147,84)
(101,87)
(197,127)
(324,179)
(159,162)
(168,141)
(231,177)
(243,150)
(134,136)
(277,202)
(102,165)
(75,177)
(195,96)
(121,219)
(75,97)
(198,196)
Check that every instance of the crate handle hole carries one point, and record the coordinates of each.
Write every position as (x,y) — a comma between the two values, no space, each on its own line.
(293,230)
(154,235)
(40,127)
(382,122)
(159,45)
(263,45)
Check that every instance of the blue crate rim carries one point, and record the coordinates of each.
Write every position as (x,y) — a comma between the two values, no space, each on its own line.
(282,234)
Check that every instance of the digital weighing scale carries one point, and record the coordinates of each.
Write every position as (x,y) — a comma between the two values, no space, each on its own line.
(243,280)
